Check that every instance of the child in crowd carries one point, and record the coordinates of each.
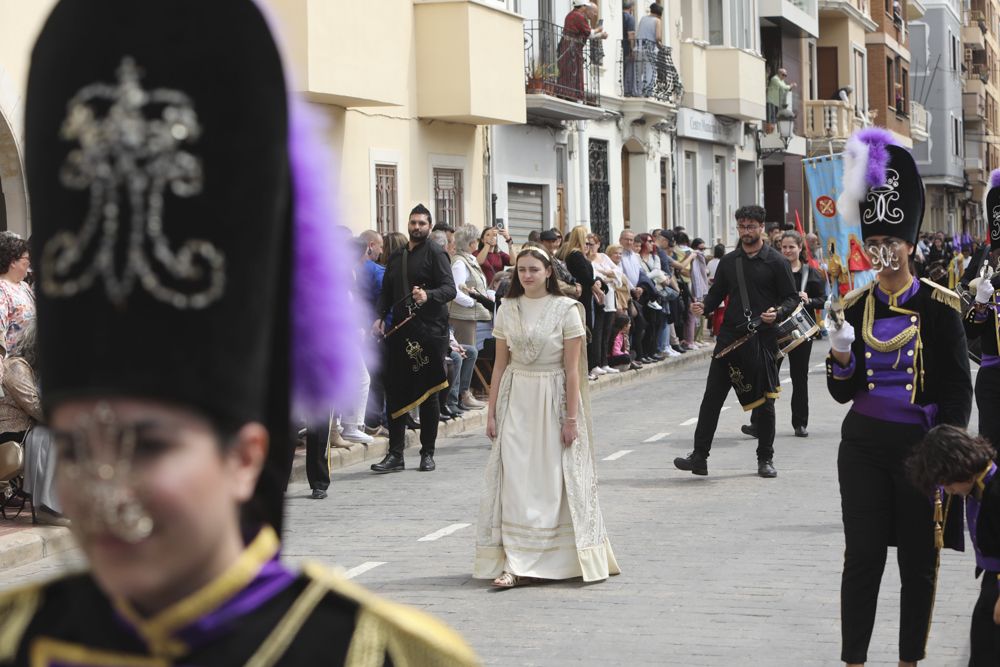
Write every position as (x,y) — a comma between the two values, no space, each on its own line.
(621,353)
(948,458)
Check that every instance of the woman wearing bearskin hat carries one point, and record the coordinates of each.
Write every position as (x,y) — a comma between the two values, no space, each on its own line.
(189,288)
(899,357)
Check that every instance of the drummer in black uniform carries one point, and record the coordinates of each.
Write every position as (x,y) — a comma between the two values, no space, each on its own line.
(982,323)
(758,282)
(171,187)
(811,292)
(906,370)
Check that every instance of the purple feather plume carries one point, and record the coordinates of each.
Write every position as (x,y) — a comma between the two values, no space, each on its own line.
(877,138)
(995,178)
(328,346)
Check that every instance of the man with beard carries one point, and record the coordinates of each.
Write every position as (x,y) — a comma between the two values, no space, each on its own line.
(758,281)
(416,288)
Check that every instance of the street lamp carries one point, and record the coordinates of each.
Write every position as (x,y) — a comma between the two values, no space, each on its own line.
(786,130)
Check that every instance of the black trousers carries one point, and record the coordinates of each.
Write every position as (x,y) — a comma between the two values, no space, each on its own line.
(881,508)
(716,390)
(638,332)
(650,337)
(987,400)
(985,633)
(798,367)
(317,455)
(600,339)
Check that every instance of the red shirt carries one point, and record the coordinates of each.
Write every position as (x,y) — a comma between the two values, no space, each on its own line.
(495,263)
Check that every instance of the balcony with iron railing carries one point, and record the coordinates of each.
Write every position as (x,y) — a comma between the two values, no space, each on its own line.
(562,73)
(857,9)
(646,69)
(919,122)
(978,72)
(830,122)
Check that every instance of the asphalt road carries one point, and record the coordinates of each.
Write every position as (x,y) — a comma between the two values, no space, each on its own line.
(718,570)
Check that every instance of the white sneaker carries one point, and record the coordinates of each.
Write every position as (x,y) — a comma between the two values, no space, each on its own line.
(592,377)
(671,352)
(608,369)
(597,370)
(353,434)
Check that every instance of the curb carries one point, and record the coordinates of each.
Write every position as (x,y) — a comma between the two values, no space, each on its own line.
(358,453)
(31,544)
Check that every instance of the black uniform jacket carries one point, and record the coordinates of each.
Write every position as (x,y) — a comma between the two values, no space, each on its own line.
(943,376)
(316,618)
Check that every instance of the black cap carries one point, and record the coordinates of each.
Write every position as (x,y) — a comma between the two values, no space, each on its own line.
(158,169)
(551,234)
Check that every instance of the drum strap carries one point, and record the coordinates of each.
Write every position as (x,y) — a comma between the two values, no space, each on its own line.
(805,278)
(742,284)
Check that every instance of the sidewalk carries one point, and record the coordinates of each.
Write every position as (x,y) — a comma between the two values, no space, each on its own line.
(22,543)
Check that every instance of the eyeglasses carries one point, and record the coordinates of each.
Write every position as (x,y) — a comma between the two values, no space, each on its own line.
(589,244)
(747,228)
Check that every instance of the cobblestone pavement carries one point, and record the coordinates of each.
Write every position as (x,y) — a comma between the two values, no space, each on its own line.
(728,569)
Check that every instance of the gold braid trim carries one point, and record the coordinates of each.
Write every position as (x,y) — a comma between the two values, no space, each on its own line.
(17,608)
(891,345)
(274,647)
(854,295)
(943,294)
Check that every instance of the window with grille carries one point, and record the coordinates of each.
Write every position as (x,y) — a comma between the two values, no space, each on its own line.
(386,187)
(448,197)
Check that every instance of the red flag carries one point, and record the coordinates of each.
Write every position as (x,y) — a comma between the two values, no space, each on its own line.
(798,227)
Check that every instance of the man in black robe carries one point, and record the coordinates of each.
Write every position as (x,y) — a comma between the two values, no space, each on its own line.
(417,287)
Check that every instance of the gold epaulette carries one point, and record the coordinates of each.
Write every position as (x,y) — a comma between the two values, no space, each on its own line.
(854,295)
(17,608)
(943,294)
(405,635)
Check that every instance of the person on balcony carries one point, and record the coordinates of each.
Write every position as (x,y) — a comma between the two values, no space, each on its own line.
(777,96)
(649,38)
(576,33)
(629,82)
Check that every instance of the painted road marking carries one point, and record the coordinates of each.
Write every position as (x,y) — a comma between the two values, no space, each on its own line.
(822,365)
(361,569)
(786,380)
(689,422)
(658,436)
(617,455)
(444,532)
(724,408)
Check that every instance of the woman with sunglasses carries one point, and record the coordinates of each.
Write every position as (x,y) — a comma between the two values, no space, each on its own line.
(899,357)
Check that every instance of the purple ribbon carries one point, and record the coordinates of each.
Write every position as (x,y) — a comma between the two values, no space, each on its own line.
(893,410)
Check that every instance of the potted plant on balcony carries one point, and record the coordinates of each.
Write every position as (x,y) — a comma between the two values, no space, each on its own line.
(539,75)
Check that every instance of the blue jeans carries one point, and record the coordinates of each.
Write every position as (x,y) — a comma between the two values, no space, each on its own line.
(461,373)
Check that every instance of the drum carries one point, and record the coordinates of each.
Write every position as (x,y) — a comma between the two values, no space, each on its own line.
(797,329)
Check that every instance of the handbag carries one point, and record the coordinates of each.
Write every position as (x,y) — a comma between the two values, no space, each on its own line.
(11,459)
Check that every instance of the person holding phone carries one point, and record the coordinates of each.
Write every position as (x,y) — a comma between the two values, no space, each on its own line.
(490,257)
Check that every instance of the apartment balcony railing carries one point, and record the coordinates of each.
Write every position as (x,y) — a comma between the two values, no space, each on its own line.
(919,121)
(831,120)
(564,66)
(646,69)
(979,71)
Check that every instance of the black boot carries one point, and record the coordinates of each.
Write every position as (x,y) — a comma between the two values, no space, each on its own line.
(801,432)
(427,463)
(749,429)
(412,423)
(766,469)
(391,463)
(694,463)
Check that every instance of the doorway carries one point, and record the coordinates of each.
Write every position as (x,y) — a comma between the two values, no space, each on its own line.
(626,189)
(828,72)
(600,190)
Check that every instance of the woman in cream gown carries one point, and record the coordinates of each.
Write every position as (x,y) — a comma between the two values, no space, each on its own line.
(539,517)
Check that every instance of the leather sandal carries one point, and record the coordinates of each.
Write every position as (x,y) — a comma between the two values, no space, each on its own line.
(508,580)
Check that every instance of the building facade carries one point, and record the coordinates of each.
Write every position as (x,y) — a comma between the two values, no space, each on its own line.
(936,62)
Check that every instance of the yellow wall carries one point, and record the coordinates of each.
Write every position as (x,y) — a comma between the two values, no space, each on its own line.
(843,33)
(20,22)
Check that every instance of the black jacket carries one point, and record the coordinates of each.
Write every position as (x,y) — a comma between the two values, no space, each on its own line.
(428,267)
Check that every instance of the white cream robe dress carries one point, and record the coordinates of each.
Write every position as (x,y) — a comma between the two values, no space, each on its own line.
(539,515)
